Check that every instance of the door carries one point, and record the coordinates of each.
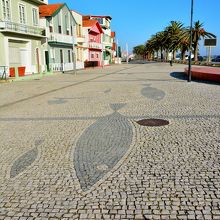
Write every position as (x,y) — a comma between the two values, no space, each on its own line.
(47,62)
(61,60)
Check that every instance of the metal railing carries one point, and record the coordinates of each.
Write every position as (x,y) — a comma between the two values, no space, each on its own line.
(3,72)
(21,28)
(62,38)
(95,45)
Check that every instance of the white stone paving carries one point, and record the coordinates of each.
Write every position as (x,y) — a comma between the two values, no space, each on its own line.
(169,172)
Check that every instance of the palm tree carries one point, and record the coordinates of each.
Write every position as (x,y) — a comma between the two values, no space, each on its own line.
(140,50)
(155,44)
(149,50)
(174,37)
(184,46)
(175,33)
(198,32)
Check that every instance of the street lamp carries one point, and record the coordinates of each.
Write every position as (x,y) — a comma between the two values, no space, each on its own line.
(190,49)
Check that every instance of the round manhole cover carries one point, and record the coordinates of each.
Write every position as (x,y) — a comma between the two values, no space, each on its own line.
(153,122)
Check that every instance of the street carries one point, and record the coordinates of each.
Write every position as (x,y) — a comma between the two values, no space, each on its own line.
(71,147)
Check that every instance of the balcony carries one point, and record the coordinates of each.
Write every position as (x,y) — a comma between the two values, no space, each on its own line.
(60,39)
(80,38)
(8,26)
(94,45)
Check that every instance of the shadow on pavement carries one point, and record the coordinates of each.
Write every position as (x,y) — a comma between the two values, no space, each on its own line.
(178,75)
(182,76)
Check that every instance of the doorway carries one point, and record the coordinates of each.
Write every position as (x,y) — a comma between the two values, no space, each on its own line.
(47,62)
(61,61)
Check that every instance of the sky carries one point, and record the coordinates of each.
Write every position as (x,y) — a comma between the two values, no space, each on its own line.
(136,20)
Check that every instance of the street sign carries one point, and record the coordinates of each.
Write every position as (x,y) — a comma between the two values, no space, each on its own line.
(210,42)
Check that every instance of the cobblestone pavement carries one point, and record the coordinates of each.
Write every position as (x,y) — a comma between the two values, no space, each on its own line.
(71,147)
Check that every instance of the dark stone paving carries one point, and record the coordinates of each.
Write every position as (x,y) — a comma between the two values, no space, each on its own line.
(57,102)
(107,91)
(101,147)
(23,162)
(153,93)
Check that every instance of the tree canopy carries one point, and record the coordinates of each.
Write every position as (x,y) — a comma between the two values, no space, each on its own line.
(174,37)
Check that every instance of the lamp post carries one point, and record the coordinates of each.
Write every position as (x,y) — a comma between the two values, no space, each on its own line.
(190,49)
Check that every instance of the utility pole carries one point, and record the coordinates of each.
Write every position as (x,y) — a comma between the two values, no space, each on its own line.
(190,49)
(127,52)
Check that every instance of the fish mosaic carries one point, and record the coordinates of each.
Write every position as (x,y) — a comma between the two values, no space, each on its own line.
(102,146)
(152,93)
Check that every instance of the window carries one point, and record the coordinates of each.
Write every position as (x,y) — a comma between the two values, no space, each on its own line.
(69,56)
(22,14)
(61,56)
(35,16)
(67,24)
(51,25)
(51,29)
(71,29)
(92,55)
(59,29)
(97,55)
(59,24)
(79,27)
(6,10)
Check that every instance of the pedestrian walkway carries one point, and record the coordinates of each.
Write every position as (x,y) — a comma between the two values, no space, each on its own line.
(78,147)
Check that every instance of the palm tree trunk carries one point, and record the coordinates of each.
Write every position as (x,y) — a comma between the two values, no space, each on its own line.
(183,53)
(196,51)
(174,55)
(167,53)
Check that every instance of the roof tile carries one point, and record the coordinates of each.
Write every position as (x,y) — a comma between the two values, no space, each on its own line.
(49,10)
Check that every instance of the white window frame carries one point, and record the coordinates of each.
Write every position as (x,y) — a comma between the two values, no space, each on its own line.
(24,18)
(60,22)
(35,23)
(7,14)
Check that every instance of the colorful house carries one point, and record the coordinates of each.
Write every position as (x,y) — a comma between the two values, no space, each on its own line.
(58,49)
(93,34)
(105,23)
(21,36)
(80,46)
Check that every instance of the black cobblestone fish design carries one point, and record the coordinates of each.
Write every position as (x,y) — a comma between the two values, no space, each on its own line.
(152,93)
(24,161)
(101,147)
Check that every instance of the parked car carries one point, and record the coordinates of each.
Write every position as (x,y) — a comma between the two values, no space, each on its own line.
(216,59)
(187,56)
(200,58)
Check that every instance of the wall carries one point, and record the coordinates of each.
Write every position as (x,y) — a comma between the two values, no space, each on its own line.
(61,17)
(15,11)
